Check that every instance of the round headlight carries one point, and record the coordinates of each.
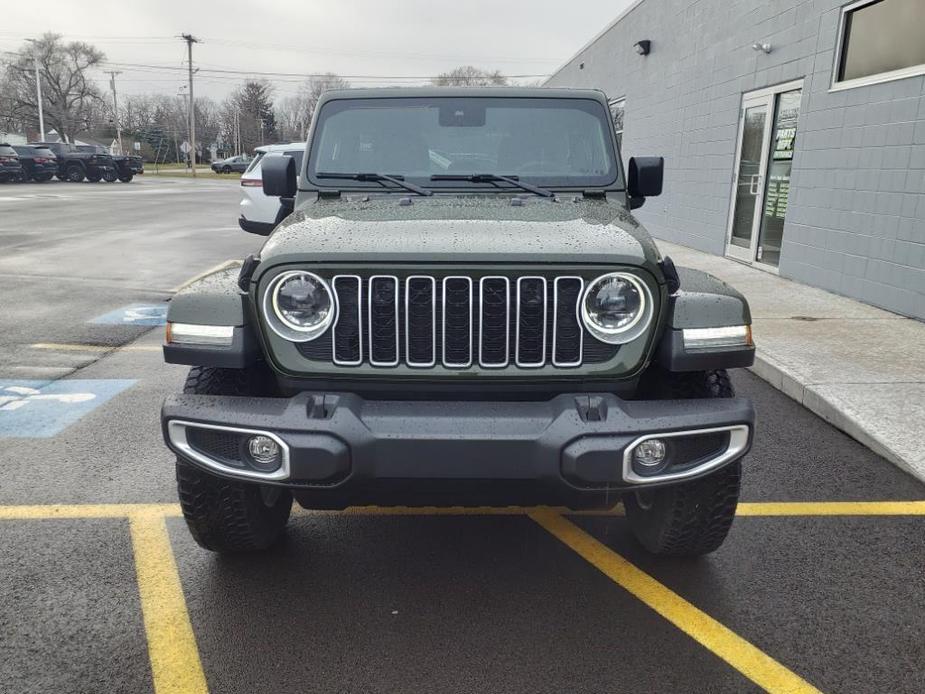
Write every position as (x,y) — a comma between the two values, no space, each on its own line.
(302,306)
(616,308)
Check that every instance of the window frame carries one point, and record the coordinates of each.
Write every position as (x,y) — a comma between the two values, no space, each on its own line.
(835,85)
(618,134)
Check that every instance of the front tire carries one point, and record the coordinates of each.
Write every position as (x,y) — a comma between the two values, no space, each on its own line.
(42,178)
(110,177)
(692,518)
(127,178)
(226,515)
(226,169)
(74,173)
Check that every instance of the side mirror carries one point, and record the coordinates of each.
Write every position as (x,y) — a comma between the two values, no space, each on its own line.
(279,176)
(644,179)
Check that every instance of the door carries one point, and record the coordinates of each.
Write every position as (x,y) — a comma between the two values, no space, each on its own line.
(767,135)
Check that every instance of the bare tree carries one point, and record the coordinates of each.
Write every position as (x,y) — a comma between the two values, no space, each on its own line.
(469,76)
(296,112)
(71,101)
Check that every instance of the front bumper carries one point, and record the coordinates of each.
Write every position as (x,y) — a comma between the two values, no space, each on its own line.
(340,449)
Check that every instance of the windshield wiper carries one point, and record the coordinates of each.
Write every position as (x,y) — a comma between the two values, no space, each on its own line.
(397,180)
(490,177)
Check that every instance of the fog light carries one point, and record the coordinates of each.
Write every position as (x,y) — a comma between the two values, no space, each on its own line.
(264,453)
(649,456)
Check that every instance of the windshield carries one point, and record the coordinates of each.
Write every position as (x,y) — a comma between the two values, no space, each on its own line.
(7,151)
(549,142)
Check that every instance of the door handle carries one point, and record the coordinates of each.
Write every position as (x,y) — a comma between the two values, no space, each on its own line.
(755,184)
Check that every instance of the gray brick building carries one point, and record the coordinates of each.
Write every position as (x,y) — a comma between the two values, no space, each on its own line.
(793,133)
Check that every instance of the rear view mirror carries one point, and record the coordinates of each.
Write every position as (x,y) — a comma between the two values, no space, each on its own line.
(279,176)
(644,179)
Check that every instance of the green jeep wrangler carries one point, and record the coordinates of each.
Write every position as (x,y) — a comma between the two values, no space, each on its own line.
(460,310)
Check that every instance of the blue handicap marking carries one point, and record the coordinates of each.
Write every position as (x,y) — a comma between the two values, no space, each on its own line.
(135,314)
(41,409)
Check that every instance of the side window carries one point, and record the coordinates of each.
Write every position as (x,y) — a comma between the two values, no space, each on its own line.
(617,107)
(880,40)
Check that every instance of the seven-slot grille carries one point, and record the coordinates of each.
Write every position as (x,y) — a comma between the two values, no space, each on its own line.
(457,322)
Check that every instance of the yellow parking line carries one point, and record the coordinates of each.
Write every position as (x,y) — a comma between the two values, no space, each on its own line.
(832,508)
(67,511)
(758,509)
(70,347)
(175,664)
(756,665)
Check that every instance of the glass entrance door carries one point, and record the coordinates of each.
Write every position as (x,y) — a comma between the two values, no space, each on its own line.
(767,133)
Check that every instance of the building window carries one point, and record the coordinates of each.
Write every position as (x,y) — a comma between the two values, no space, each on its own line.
(880,40)
(617,106)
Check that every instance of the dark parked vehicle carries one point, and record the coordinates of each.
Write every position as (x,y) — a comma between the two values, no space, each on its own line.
(461,310)
(10,168)
(238,163)
(75,166)
(38,163)
(127,165)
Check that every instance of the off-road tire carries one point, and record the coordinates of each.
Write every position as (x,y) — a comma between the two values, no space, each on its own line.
(94,177)
(226,515)
(692,518)
(74,173)
(42,178)
(110,177)
(127,178)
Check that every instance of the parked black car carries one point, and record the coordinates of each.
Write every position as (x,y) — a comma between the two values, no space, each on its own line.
(126,165)
(238,163)
(75,166)
(38,162)
(10,168)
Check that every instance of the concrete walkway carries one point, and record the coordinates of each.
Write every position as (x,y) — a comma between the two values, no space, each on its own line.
(856,366)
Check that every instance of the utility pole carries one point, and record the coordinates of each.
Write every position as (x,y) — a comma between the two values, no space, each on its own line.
(190,40)
(38,87)
(115,108)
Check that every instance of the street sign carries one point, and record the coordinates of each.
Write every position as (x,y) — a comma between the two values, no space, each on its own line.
(185,147)
(41,409)
(136,146)
(135,314)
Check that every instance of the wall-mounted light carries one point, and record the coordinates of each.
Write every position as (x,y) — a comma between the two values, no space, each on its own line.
(642,47)
(581,66)
(766,47)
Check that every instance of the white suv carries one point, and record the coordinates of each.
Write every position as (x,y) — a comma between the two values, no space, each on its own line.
(260,214)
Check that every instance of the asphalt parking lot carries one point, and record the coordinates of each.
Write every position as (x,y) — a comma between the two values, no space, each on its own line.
(820,586)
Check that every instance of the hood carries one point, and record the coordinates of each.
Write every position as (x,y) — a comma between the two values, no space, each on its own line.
(461,229)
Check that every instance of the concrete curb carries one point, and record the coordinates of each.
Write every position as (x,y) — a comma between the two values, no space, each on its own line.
(837,413)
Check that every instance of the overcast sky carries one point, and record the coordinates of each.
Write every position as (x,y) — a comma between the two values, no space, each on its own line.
(375,38)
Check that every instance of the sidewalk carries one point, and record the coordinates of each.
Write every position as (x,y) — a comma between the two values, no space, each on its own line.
(856,366)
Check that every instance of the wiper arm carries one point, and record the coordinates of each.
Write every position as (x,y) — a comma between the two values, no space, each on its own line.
(490,177)
(397,180)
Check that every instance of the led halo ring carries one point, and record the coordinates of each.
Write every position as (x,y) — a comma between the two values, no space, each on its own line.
(628,332)
(286,329)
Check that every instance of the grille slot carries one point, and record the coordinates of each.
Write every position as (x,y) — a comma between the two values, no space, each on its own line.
(567,333)
(422,321)
(383,320)
(457,322)
(494,318)
(531,322)
(348,330)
